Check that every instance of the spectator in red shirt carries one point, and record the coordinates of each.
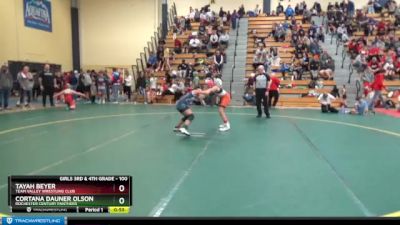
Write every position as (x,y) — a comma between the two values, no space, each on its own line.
(381,28)
(274,90)
(178,46)
(377,86)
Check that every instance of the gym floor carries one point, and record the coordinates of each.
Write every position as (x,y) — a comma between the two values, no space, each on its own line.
(299,163)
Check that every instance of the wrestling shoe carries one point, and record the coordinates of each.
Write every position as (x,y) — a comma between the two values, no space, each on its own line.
(222,125)
(176,129)
(225,128)
(184,131)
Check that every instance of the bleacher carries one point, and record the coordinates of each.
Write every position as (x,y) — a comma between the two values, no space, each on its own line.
(189,58)
(297,94)
(359,33)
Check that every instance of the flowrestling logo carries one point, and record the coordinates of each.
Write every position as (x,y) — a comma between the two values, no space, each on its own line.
(37,14)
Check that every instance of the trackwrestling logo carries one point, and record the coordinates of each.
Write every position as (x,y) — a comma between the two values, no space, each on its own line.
(9,220)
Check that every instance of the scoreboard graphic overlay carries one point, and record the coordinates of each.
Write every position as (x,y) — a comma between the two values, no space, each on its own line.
(70,194)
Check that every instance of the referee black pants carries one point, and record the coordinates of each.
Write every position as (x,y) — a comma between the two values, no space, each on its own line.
(262,99)
(48,92)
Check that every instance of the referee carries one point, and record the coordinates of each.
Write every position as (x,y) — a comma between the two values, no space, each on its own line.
(262,85)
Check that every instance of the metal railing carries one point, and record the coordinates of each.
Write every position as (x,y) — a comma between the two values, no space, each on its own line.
(152,45)
(234,56)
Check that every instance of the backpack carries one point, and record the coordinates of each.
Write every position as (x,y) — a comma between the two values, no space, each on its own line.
(312,84)
(74,80)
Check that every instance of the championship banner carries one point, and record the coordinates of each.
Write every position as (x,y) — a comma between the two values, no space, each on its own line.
(37,14)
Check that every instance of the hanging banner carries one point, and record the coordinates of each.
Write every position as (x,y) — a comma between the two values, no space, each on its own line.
(37,14)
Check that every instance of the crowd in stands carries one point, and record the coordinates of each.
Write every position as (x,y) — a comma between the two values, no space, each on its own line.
(369,35)
(203,36)
(206,45)
(98,87)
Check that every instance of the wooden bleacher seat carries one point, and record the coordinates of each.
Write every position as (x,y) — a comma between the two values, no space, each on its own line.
(280,49)
(272,18)
(303,102)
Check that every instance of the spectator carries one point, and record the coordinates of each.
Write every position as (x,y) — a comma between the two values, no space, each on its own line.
(74,80)
(224,39)
(87,82)
(279,9)
(258,60)
(314,47)
(182,68)
(152,61)
(314,67)
(289,12)
(48,83)
(101,87)
(389,69)
(151,95)
(274,91)
(326,102)
(116,81)
(350,8)
(257,10)
(234,18)
(25,80)
(214,40)
(93,88)
(141,86)
(128,86)
(194,45)
(360,107)
(241,11)
(36,85)
(178,46)
(6,84)
(219,61)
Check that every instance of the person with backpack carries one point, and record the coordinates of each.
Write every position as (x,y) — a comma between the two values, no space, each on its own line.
(73,81)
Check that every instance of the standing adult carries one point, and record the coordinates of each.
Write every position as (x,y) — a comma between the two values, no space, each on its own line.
(116,81)
(25,80)
(141,87)
(6,83)
(128,86)
(262,86)
(48,83)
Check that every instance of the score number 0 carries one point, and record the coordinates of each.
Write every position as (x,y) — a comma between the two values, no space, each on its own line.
(121,188)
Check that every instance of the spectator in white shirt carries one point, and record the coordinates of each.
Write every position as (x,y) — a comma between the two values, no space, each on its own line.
(128,86)
(326,101)
(214,39)
(224,39)
(194,44)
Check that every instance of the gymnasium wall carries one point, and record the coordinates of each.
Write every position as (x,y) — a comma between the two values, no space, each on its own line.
(182,6)
(22,43)
(114,32)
